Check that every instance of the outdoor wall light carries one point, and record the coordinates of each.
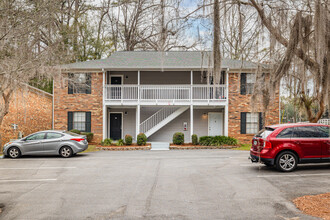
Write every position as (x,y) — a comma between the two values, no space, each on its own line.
(204,115)
(126,113)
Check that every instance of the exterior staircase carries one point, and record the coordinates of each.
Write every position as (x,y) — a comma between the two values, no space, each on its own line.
(160,119)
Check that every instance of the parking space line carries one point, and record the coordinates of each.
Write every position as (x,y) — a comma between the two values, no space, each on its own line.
(28,180)
(296,175)
(34,168)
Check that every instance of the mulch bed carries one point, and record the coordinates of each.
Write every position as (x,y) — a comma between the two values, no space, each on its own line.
(194,147)
(130,147)
(317,205)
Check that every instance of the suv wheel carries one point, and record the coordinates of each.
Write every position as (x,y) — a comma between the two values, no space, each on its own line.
(14,152)
(66,152)
(286,161)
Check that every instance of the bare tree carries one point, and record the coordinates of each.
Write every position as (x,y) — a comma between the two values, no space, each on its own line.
(148,25)
(305,35)
(22,56)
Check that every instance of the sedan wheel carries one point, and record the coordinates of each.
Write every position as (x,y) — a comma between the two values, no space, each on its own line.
(66,152)
(14,152)
(286,162)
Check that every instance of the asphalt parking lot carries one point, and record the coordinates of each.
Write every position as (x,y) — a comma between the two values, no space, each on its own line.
(191,184)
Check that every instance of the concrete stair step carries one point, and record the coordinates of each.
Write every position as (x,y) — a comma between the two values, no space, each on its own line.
(160,146)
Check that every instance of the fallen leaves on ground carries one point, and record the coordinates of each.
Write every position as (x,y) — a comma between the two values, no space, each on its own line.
(317,205)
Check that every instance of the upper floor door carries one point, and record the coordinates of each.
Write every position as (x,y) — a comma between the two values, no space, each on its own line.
(116,91)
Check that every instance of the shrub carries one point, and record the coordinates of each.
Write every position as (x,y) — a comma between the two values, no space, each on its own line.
(106,142)
(178,138)
(217,141)
(89,135)
(231,141)
(141,139)
(194,139)
(120,142)
(128,139)
(75,131)
(205,140)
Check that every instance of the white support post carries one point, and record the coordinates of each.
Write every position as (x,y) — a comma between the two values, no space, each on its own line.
(226,120)
(191,85)
(138,87)
(226,106)
(137,121)
(104,108)
(191,121)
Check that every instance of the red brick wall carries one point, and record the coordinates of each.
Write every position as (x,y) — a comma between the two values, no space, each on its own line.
(31,110)
(64,102)
(242,103)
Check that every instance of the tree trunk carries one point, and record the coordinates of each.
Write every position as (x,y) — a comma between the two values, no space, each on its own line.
(216,43)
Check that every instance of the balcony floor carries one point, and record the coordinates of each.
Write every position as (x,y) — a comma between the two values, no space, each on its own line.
(221,102)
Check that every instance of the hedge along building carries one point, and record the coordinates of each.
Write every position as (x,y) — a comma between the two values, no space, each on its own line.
(158,94)
(30,110)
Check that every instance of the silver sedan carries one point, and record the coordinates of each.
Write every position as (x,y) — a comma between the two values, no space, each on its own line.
(50,142)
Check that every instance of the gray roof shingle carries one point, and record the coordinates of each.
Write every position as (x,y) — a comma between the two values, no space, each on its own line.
(145,60)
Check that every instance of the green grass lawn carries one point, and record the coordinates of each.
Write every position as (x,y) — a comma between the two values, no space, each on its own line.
(91,148)
(246,147)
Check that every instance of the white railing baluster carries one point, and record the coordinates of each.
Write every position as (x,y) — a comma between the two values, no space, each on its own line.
(165,92)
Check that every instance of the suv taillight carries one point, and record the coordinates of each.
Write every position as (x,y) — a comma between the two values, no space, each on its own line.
(267,144)
(77,139)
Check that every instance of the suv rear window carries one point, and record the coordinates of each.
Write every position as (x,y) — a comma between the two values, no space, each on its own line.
(286,133)
(324,131)
(264,133)
(305,132)
(311,132)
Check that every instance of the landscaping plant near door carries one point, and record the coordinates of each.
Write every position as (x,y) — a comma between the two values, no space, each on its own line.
(178,138)
(106,142)
(141,139)
(217,141)
(194,139)
(128,139)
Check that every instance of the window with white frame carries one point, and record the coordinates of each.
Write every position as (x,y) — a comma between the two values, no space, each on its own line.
(79,121)
(252,123)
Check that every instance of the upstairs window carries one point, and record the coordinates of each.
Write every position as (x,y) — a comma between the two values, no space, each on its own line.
(247,83)
(79,83)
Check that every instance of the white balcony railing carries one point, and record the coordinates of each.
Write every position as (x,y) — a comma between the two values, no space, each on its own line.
(165,92)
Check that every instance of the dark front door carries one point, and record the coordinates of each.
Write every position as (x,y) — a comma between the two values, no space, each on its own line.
(116,91)
(115,126)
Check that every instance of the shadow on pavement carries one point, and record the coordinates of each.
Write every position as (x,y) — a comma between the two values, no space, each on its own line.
(300,167)
(45,157)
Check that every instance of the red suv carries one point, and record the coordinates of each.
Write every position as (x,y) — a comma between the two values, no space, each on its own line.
(286,145)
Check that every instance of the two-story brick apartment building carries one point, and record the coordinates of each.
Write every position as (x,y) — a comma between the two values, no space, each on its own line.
(158,94)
